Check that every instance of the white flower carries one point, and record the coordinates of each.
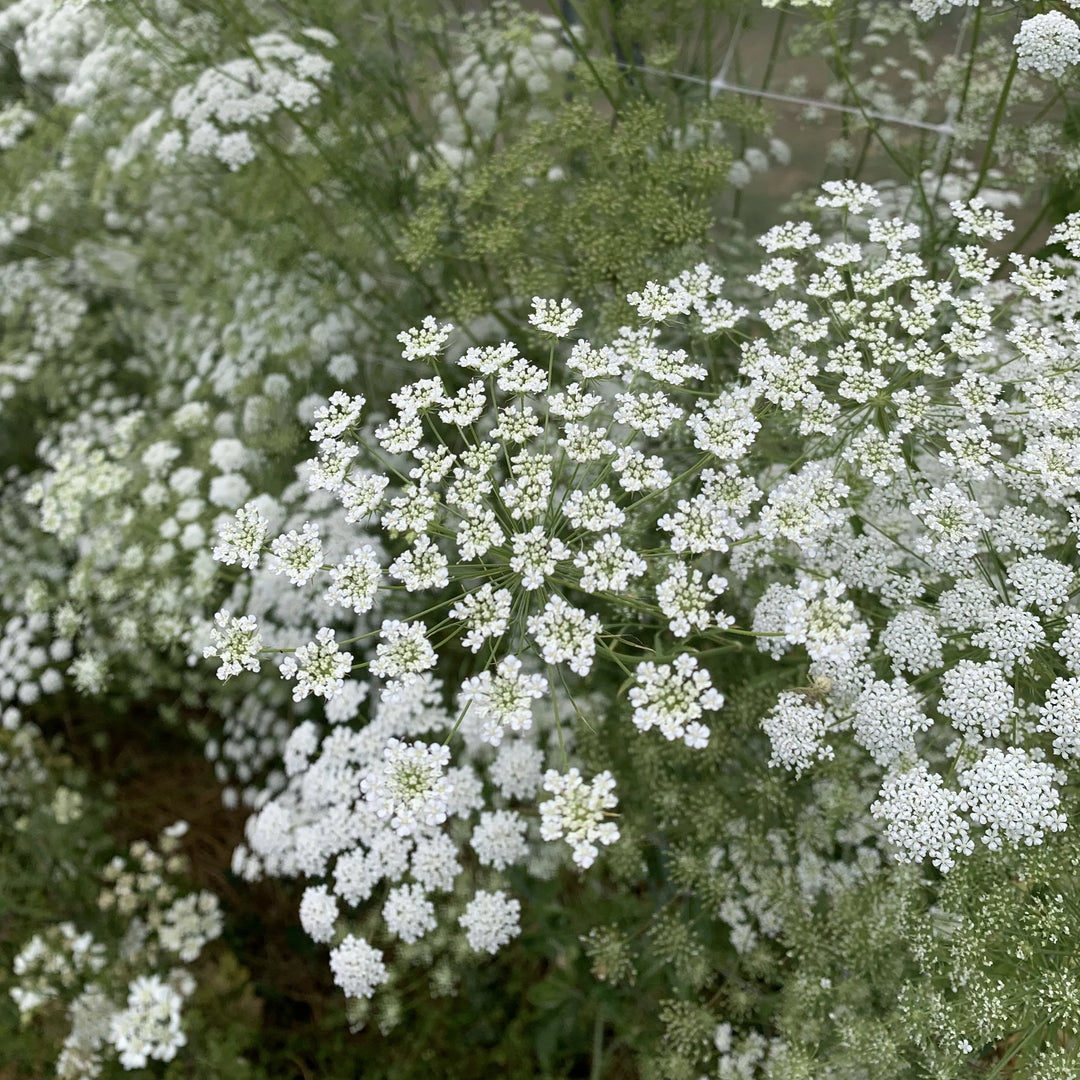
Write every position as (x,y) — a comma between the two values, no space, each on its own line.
(659,302)
(319,668)
(403,649)
(1010,635)
(237,642)
(357,967)
(499,838)
(1012,794)
(297,555)
(700,525)
(893,232)
(1068,645)
(608,566)
(954,522)
(149,1028)
(887,716)
(503,700)
(975,218)
(410,789)
(424,341)
(242,538)
(921,817)
(419,396)
(517,769)
(468,490)
(684,599)
(565,633)
(535,555)
(490,920)
(516,426)
(527,494)
(335,418)
(637,472)
(361,494)
(583,443)
(774,275)
(434,464)
(977,698)
(726,426)
(651,414)
(848,195)
(554,317)
(804,505)
(674,697)
(318,913)
(911,642)
(399,435)
(190,922)
(329,470)
(592,363)
(573,403)
(1048,43)
(593,509)
(478,535)
(1067,232)
(790,236)
(878,458)
(434,863)
(576,812)
(355,876)
(520,377)
(818,617)
(1041,582)
(796,728)
(486,612)
(1060,714)
(488,359)
(423,566)
(409,913)
(354,582)
(466,406)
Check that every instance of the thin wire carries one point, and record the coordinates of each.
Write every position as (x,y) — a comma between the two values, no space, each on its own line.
(721,84)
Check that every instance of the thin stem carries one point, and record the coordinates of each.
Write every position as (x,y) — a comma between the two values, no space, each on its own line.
(774,49)
(597,1070)
(950,140)
(999,114)
(572,41)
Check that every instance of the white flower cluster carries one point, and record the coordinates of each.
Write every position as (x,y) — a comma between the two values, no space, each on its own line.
(796,728)
(540,523)
(673,698)
(50,961)
(490,920)
(1012,793)
(411,789)
(921,818)
(163,924)
(1048,43)
(358,967)
(576,813)
(219,110)
(149,1028)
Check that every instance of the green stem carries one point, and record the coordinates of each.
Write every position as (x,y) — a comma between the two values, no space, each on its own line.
(999,113)
(597,1070)
(774,49)
(583,55)
(951,139)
